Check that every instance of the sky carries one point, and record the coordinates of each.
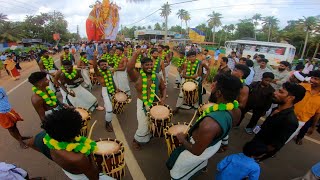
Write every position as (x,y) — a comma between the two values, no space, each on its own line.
(76,11)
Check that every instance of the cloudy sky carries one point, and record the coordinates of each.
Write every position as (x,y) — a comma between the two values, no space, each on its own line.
(76,11)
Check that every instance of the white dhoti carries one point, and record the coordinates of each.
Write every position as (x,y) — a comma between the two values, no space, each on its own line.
(167,69)
(122,82)
(142,134)
(301,124)
(83,98)
(86,78)
(180,99)
(107,104)
(64,96)
(84,177)
(50,78)
(178,79)
(188,164)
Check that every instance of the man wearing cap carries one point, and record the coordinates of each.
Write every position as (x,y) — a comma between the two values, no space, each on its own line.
(309,108)
(281,75)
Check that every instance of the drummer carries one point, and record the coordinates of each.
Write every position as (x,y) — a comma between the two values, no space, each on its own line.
(192,70)
(67,55)
(158,64)
(120,71)
(147,84)
(207,132)
(105,78)
(84,65)
(46,64)
(74,158)
(43,99)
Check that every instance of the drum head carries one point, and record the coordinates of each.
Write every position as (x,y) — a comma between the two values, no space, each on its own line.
(120,96)
(84,114)
(179,128)
(205,106)
(107,147)
(189,86)
(159,112)
(92,71)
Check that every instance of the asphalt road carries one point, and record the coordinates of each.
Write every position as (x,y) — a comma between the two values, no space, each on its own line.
(149,163)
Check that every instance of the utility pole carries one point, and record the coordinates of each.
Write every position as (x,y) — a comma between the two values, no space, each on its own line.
(78,31)
(166,23)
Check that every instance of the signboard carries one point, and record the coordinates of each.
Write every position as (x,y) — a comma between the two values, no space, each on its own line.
(56,36)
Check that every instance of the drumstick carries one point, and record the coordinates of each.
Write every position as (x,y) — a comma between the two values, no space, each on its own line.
(185,132)
(156,96)
(90,132)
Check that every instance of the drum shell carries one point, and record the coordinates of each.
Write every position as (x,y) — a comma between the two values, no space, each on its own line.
(85,123)
(171,140)
(157,125)
(118,107)
(190,97)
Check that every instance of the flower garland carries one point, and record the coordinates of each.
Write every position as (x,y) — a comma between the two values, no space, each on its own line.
(191,71)
(220,107)
(116,60)
(108,80)
(51,100)
(129,53)
(47,62)
(69,57)
(139,58)
(82,144)
(181,61)
(68,75)
(145,100)
(163,56)
(85,60)
(242,81)
(155,65)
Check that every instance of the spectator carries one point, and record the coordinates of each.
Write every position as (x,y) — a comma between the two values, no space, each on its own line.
(282,122)
(242,165)
(259,70)
(307,67)
(297,77)
(259,100)
(224,66)
(312,174)
(248,57)
(281,75)
(216,54)
(232,61)
(249,79)
(242,60)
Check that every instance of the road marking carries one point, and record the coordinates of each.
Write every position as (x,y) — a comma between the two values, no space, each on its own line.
(129,158)
(17,86)
(263,118)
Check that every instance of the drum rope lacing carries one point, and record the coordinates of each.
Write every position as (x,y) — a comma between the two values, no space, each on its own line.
(69,75)
(50,100)
(47,62)
(82,144)
(108,80)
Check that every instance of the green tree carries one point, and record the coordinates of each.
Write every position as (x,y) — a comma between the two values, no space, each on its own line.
(157,26)
(310,23)
(3,17)
(271,23)
(149,27)
(256,17)
(245,28)
(9,32)
(186,18)
(181,14)
(213,22)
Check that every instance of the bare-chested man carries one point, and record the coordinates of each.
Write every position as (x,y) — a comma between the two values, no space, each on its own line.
(67,55)
(146,83)
(84,65)
(208,131)
(154,55)
(46,64)
(120,71)
(64,126)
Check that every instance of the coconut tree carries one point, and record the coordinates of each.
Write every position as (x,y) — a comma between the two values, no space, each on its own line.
(181,13)
(270,22)
(310,23)
(3,17)
(186,18)
(213,22)
(9,32)
(165,12)
(226,30)
(256,17)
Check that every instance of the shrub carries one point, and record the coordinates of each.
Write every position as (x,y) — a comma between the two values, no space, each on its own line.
(213,73)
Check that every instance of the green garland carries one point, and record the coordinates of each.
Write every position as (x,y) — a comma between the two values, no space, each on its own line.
(108,58)
(129,55)
(145,100)
(82,144)
(139,58)
(51,100)
(108,79)
(116,61)
(181,61)
(163,56)
(69,76)
(48,63)
(69,57)
(156,65)
(85,60)
(219,107)
(191,71)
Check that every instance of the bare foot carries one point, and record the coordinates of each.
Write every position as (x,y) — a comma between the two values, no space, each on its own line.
(136,146)
(109,127)
(100,108)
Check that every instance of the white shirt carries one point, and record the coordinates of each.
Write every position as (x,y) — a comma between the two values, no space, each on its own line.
(232,63)
(307,68)
(249,79)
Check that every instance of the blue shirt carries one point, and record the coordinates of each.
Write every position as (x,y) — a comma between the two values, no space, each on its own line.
(4,101)
(316,170)
(216,53)
(89,51)
(237,167)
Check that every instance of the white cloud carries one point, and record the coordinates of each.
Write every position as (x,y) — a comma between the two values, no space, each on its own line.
(76,11)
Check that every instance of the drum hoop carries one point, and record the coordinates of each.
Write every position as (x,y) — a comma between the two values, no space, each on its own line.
(158,104)
(115,100)
(166,129)
(120,151)
(89,113)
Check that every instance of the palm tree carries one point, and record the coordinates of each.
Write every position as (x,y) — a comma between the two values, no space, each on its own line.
(310,23)
(9,32)
(256,17)
(226,30)
(186,18)
(270,21)
(213,22)
(165,12)
(3,17)
(181,14)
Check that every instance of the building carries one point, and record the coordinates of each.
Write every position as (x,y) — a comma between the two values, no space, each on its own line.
(147,34)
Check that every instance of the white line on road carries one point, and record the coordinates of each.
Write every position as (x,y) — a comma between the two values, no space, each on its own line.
(263,118)
(17,86)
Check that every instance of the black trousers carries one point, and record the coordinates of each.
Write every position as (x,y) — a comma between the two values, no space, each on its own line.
(303,131)
(256,115)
